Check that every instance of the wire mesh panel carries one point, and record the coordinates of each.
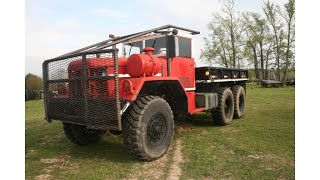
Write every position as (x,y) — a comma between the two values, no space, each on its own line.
(83,90)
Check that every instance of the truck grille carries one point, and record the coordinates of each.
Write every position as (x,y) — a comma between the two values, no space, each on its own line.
(83,89)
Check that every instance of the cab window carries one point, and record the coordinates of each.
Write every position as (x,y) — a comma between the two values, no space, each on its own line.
(184,47)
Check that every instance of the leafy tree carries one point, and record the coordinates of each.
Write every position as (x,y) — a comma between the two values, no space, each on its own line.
(33,82)
(289,17)
(271,12)
(217,50)
(223,44)
(250,51)
(268,56)
(263,41)
(258,39)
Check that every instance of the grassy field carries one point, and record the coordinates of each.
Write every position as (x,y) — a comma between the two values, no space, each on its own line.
(257,146)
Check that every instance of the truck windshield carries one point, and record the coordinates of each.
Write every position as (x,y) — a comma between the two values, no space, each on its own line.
(133,48)
(183,46)
(159,45)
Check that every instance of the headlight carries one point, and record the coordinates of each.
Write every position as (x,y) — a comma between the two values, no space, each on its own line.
(128,87)
(207,73)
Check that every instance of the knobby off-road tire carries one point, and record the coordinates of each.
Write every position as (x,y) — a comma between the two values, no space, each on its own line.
(81,135)
(223,114)
(148,128)
(239,96)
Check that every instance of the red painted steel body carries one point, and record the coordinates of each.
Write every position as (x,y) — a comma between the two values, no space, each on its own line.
(135,71)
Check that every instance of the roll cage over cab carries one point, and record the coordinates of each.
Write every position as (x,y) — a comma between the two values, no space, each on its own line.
(92,90)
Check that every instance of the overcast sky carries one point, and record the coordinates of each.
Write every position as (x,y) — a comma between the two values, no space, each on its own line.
(55,27)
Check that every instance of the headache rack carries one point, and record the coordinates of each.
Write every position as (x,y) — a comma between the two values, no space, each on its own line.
(82,88)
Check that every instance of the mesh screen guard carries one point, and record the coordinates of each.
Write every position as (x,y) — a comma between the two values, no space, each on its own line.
(83,89)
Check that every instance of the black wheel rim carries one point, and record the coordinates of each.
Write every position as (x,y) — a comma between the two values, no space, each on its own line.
(241,102)
(156,129)
(228,106)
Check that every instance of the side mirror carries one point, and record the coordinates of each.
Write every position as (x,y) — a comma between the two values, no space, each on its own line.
(171,46)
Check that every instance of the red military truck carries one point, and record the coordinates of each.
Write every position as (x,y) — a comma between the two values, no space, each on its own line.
(92,90)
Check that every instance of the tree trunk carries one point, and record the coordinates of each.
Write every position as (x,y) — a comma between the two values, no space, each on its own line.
(287,54)
(277,57)
(255,61)
(267,62)
(232,40)
(233,50)
(225,58)
(255,58)
(266,75)
(261,60)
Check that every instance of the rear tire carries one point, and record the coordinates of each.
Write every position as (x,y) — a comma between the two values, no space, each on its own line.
(148,128)
(80,135)
(223,114)
(239,96)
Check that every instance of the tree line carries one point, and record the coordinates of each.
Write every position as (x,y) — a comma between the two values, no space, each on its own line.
(246,39)
(33,82)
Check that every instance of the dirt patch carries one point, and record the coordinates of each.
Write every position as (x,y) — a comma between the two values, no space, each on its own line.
(51,161)
(50,139)
(209,178)
(229,129)
(55,163)
(254,157)
(181,129)
(267,160)
(151,170)
(269,168)
(43,177)
(175,170)
(183,126)
(30,152)
(157,169)
(261,156)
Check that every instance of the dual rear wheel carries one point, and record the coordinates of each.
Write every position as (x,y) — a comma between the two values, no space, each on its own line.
(231,104)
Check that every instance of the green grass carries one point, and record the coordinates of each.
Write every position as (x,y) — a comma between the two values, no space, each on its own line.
(106,159)
(258,146)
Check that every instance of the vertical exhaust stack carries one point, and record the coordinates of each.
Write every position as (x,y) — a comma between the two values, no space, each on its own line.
(171,48)
(168,56)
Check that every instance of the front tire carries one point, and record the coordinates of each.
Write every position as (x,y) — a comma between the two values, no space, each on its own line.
(223,114)
(80,135)
(148,128)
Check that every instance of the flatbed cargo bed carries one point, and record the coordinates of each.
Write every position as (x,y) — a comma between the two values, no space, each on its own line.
(218,74)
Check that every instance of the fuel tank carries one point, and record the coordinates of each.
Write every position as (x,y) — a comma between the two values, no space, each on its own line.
(143,64)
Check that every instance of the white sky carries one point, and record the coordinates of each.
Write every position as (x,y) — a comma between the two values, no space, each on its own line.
(57,27)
